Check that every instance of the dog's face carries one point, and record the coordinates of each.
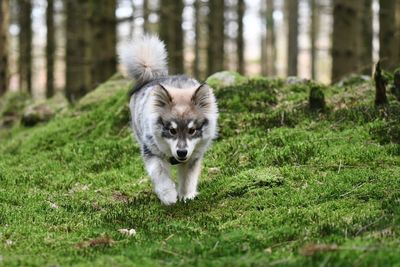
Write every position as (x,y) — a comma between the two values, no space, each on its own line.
(183,116)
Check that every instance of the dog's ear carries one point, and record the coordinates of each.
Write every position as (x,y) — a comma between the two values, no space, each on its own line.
(202,97)
(162,98)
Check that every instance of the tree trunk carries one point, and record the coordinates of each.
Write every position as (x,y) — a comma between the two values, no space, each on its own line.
(25,45)
(346,38)
(4,23)
(146,13)
(388,40)
(103,40)
(293,32)
(241,7)
(50,49)
(367,37)
(398,28)
(215,50)
(380,86)
(314,36)
(196,63)
(270,39)
(171,33)
(78,65)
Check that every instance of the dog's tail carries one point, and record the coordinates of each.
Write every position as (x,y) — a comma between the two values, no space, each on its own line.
(145,59)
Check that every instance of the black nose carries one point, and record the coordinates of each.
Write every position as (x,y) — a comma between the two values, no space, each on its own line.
(181,153)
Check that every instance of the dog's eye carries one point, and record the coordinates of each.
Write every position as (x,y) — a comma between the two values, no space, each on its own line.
(192,131)
(172,131)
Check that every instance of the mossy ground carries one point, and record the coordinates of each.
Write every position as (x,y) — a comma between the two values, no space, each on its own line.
(281,185)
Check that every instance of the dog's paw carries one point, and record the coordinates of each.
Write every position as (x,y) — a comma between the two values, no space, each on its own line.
(187,196)
(168,196)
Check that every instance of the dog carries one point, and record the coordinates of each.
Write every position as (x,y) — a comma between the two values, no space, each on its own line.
(174,119)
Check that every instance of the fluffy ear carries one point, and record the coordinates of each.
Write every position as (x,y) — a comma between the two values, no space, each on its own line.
(202,97)
(162,98)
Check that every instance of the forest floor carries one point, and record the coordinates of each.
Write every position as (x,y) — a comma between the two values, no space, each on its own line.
(281,185)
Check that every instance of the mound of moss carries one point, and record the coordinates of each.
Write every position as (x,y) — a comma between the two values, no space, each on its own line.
(282,185)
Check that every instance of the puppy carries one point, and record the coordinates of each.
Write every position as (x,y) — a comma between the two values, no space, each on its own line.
(174,119)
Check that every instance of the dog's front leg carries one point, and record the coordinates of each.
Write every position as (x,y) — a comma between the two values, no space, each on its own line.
(188,176)
(164,187)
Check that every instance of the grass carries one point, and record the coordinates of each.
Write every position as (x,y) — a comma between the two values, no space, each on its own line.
(281,185)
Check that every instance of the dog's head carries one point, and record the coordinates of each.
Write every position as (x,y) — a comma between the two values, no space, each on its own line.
(186,118)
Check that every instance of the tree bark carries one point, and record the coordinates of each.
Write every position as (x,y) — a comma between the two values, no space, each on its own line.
(314,36)
(398,28)
(270,39)
(171,33)
(4,23)
(345,38)
(388,40)
(103,40)
(50,49)
(293,32)
(25,45)
(241,7)
(215,49)
(78,64)
(367,37)
(380,87)
(197,30)
(146,13)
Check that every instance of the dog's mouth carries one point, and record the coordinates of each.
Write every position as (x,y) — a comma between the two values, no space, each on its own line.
(175,161)
(182,159)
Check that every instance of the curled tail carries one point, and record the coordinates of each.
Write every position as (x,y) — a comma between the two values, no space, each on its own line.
(145,58)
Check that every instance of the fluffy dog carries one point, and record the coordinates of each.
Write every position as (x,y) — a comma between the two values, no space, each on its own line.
(174,119)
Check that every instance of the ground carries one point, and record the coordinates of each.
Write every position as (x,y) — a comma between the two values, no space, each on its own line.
(281,185)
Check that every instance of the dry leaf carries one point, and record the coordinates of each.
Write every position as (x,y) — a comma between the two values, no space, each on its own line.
(311,249)
(100,241)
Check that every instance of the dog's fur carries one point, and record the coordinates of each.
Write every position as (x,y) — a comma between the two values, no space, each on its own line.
(170,115)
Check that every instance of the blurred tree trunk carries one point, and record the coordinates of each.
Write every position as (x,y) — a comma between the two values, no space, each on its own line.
(4,23)
(241,7)
(314,36)
(78,65)
(215,50)
(132,22)
(388,40)
(398,28)
(171,33)
(346,38)
(292,11)
(25,45)
(50,49)
(196,63)
(270,39)
(367,37)
(103,40)
(146,13)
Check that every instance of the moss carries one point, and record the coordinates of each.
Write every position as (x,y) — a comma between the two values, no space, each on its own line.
(316,101)
(12,107)
(287,178)
(225,78)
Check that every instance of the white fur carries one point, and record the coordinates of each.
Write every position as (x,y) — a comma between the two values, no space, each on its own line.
(145,58)
(188,176)
(164,187)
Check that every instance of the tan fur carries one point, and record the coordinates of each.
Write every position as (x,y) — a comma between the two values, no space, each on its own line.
(182,100)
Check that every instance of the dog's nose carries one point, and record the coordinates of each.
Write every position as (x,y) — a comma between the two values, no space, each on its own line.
(181,153)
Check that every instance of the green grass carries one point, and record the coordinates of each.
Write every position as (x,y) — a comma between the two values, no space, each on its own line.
(280,186)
